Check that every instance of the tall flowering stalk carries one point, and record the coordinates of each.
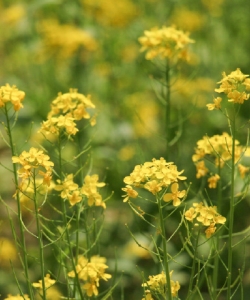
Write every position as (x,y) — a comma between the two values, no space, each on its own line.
(157,177)
(171,46)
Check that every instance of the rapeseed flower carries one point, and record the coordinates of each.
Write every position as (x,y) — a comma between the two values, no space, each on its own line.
(13,95)
(91,272)
(17,297)
(166,42)
(48,282)
(155,176)
(206,216)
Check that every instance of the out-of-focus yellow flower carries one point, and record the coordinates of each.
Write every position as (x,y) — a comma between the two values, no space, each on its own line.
(157,283)
(166,42)
(91,272)
(212,181)
(12,15)
(148,295)
(8,252)
(63,41)
(106,13)
(48,282)
(17,297)
(243,170)
(207,216)
(215,105)
(213,6)
(126,153)
(11,94)
(188,19)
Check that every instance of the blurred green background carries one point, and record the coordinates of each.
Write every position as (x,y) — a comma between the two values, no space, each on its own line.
(50,46)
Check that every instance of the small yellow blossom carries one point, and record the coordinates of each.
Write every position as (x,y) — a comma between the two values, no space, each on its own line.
(201,169)
(212,181)
(8,253)
(131,193)
(91,272)
(48,282)
(13,95)
(216,104)
(207,216)
(175,195)
(243,170)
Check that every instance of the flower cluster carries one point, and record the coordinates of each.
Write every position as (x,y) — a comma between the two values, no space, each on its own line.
(66,109)
(34,160)
(91,272)
(158,284)
(63,40)
(13,95)
(48,282)
(166,42)
(71,191)
(218,150)
(236,86)
(207,216)
(154,176)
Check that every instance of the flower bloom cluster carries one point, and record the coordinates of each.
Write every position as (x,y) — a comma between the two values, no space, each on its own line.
(91,272)
(13,95)
(218,150)
(48,282)
(158,284)
(74,194)
(236,86)
(34,160)
(166,42)
(64,40)
(154,176)
(17,297)
(66,109)
(207,216)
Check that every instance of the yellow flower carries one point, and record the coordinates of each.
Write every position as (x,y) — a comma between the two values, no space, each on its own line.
(216,104)
(212,181)
(13,95)
(243,170)
(17,297)
(175,195)
(8,252)
(131,193)
(201,169)
(47,282)
(166,42)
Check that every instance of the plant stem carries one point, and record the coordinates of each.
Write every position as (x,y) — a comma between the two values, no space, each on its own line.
(165,253)
(231,213)
(167,111)
(19,210)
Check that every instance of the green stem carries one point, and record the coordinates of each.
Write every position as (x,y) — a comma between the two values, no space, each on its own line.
(168,107)
(231,213)
(19,210)
(40,237)
(165,252)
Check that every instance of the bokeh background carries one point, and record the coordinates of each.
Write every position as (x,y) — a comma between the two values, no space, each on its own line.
(50,46)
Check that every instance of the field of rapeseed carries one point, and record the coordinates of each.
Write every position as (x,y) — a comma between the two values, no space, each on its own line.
(124,150)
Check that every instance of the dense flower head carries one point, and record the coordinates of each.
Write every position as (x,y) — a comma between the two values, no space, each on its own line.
(154,176)
(91,272)
(13,95)
(48,282)
(64,40)
(158,284)
(74,194)
(236,86)
(218,149)
(205,215)
(32,161)
(166,42)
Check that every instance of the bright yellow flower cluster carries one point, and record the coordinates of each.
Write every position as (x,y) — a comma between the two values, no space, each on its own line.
(106,13)
(218,148)
(71,191)
(13,95)
(17,297)
(154,176)
(207,216)
(65,40)
(47,281)
(158,284)
(34,160)
(236,86)
(91,272)
(66,109)
(166,42)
